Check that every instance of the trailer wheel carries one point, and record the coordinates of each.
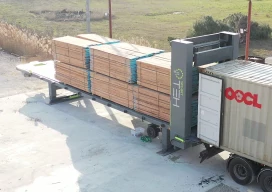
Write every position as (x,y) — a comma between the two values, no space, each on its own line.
(241,171)
(266,181)
(153,131)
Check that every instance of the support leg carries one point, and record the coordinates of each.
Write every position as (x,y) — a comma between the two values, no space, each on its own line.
(209,152)
(167,147)
(53,99)
(52,92)
(166,144)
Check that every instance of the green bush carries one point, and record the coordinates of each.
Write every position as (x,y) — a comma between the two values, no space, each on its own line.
(238,21)
(171,38)
(233,23)
(259,32)
(207,25)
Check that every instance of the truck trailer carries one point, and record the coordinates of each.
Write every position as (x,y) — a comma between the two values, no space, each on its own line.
(233,114)
(233,105)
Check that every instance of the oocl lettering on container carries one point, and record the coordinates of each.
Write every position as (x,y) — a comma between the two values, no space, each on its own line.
(241,97)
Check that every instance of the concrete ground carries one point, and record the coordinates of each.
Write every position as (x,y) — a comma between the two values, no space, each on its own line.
(83,146)
(12,82)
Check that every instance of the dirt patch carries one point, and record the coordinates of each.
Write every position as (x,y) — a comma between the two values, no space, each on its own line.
(173,158)
(222,188)
(66,15)
(210,180)
(165,13)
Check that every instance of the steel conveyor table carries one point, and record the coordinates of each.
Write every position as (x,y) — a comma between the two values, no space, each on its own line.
(46,71)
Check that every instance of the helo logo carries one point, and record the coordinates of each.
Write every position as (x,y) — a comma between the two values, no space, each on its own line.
(177,87)
(179,74)
(241,97)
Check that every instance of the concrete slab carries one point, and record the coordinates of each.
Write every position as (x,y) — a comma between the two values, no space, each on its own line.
(13,82)
(85,146)
(222,188)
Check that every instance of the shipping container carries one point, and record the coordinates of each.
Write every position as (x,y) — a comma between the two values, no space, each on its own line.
(235,108)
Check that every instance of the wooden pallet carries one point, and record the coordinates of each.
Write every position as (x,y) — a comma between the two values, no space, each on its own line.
(154,72)
(151,102)
(119,60)
(71,75)
(164,114)
(112,89)
(73,50)
(73,43)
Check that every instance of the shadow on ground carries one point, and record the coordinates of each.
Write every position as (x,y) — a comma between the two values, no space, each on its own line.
(101,134)
(106,157)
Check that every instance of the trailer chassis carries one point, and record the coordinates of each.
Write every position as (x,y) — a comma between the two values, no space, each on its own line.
(155,126)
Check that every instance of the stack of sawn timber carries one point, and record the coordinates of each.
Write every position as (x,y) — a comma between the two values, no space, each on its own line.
(119,60)
(97,38)
(112,89)
(72,57)
(115,70)
(110,69)
(152,103)
(74,76)
(153,93)
(155,73)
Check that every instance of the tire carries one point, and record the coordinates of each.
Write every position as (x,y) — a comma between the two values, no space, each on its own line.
(241,171)
(266,181)
(152,131)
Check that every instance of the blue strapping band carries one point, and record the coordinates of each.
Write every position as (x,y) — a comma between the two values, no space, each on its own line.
(89,80)
(88,62)
(133,66)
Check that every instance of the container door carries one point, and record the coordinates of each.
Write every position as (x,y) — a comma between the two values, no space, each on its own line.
(209,109)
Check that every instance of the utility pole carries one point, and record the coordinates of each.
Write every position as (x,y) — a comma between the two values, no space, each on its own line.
(248,29)
(88,16)
(110,19)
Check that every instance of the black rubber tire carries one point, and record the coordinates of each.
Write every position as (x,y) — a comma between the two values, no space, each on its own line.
(266,181)
(153,131)
(242,171)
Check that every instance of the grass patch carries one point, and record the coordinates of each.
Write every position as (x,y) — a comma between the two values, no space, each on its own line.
(146,21)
